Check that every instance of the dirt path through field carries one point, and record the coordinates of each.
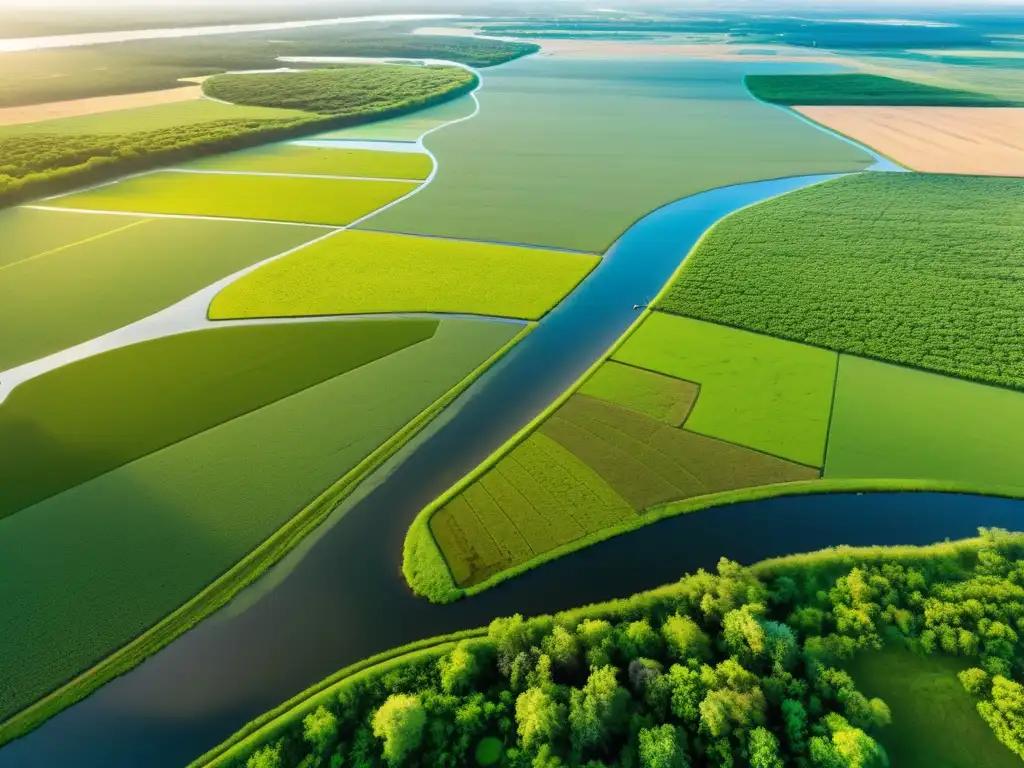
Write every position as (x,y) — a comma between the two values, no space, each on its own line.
(987,141)
(35,113)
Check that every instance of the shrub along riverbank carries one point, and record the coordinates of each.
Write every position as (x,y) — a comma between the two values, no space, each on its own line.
(36,165)
(746,666)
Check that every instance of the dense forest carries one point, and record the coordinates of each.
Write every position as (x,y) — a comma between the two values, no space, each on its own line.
(344,90)
(862,90)
(741,667)
(36,77)
(34,165)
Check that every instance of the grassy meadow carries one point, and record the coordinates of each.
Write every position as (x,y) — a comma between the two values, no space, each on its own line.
(90,568)
(652,394)
(407,127)
(322,161)
(79,421)
(934,720)
(858,89)
(333,202)
(622,445)
(67,277)
(757,391)
(892,422)
(366,272)
(915,269)
(555,157)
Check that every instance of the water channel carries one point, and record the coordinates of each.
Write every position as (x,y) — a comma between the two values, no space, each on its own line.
(341,597)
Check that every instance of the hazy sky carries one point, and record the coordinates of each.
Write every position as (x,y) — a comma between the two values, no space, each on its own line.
(426,4)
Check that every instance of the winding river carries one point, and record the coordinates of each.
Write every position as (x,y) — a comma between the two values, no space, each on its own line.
(341,596)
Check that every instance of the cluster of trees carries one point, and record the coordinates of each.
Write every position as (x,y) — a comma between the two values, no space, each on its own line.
(743,667)
(914,269)
(862,90)
(34,165)
(343,90)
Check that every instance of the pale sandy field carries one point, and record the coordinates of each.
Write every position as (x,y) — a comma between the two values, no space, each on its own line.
(974,140)
(79,107)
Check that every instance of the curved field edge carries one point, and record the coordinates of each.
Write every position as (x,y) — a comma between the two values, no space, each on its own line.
(428,574)
(272,724)
(250,568)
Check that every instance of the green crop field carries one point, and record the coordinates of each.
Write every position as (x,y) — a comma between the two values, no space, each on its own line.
(652,394)
(356,272)
(407,127)
(858,89)
(892,422)
(592,465)
(934,720)
(555,157)
(88,569)
(757,391)
(272,198)
(78,276)
(290,158)
(919,270)
(154,118)
(87,418)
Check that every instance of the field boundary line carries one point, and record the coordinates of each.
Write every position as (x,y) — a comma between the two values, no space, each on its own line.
(273,174)
(60,248)
(185,216)
(424,566)
(217,594)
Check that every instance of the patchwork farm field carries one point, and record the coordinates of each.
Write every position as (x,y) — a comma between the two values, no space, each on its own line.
(554,157)
(969,140)
(88,569)
(863,89)
(934,720)
(79,421)
(892,422)
(917,270)
(67,277)
(321,161)
(332,202)
(368,272)
(757,391)
(630,441)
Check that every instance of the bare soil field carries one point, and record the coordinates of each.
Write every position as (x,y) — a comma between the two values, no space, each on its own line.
(987,141)
(38,112)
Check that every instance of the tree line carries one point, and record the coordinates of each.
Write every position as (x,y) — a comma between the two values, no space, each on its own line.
(742,667)
(37,165)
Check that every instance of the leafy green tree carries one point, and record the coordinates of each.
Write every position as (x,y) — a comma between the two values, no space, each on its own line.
(598,638)
(685,639)
(846,747)
(743,634)
(660,748)
(399,722)
(764,749)
(688,690)
(320,729)
(974,681)
(1005,713)
(458,670)
(511,637)
(267,757)
(598,711)
(563,647)
(794,718)
(539,718)
(640,639)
